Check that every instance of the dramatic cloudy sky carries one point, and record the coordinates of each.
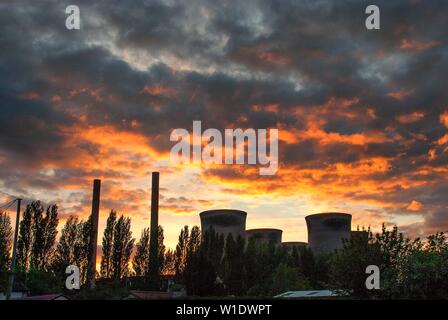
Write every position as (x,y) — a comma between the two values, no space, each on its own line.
(362,115)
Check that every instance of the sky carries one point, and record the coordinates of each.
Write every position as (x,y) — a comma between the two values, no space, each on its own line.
(362,115)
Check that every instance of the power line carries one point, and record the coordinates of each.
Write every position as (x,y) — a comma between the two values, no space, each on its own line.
(7,205)
(17,197)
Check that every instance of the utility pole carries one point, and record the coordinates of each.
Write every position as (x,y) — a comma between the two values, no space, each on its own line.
(14,249)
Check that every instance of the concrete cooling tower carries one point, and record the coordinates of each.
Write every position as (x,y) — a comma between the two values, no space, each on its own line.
(361,235)
(265,235)
(327,230)
(292,244)
(224,221)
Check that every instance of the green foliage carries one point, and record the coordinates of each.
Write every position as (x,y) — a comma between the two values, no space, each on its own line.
(25,238)
(72,248)
(43,282)
(122,248)
(161,249)
(347,266)
(169,260)
(37,235)
(141,257)
(287,278)
(181,253)
(233,272)
(108,239)
(409,269)
(5,248)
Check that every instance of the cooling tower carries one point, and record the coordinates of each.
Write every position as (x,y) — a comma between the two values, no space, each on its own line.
(292,244)
(359,234)
(265,235)
(326,231)
(224,221)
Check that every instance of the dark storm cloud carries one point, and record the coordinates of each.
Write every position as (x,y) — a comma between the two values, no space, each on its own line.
(225,63)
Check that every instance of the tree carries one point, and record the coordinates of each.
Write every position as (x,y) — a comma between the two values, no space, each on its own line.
(122,248)
(348,265)
(25,238)
(191,268)
(108,239)
(161,248)
(73,248)
(233,265)
(426,270)
(169,261)
(83,249)
(51,222)
(203,257)
(38,235)
(5,248)
(286,278)
(141,257)
(5,241)
(409,268)
(181,253)
(65,249)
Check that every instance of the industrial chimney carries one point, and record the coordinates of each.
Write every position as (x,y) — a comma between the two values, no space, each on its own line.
(153,268)
(94,234)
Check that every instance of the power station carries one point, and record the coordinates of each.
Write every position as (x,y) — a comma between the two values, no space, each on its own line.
(326,231)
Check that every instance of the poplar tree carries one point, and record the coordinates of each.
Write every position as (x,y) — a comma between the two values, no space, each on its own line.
(5,247)
(25,239)
(140,261)
(122,248)
(108,239)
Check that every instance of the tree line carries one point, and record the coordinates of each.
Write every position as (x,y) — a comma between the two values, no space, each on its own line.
(209,264)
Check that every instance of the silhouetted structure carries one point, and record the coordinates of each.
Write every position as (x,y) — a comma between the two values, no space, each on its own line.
(359,234)
(94,231)
(326,231)
(224,221)
(265,235)
(292,244)
(153,268)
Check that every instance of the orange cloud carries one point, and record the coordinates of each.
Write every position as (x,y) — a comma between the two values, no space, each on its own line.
(158,89)
(414,206)
(401,94)
(407,44)
(444,119)
(410,118)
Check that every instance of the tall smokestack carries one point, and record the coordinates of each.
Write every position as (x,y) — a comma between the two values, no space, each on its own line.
(153,269)
(94,234)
